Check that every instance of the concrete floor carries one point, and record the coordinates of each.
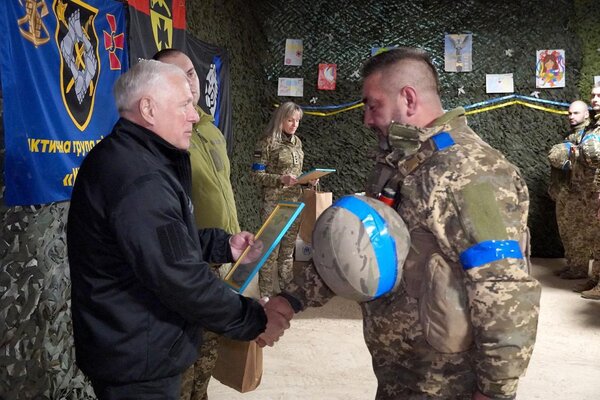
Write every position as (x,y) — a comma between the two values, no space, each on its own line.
(323,355)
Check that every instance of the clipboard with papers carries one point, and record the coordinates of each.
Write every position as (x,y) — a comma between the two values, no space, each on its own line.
(314,173)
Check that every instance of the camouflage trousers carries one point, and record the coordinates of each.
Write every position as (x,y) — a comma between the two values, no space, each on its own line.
(280,263)
(194,381)
(405,365)
(578,227)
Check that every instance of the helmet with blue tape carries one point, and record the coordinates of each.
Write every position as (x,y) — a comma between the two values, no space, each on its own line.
(359,248)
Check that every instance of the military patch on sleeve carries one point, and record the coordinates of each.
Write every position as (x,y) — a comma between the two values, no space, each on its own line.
(257,153)
(481,212)
(172,242)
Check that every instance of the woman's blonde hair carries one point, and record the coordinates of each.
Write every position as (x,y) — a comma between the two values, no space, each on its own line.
(284,111)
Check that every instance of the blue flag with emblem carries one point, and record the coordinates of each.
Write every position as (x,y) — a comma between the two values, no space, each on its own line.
(59,60)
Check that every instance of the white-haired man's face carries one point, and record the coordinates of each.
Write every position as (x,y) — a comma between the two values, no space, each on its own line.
(173,112)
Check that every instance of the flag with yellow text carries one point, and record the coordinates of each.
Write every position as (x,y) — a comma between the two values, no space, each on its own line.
(59,60)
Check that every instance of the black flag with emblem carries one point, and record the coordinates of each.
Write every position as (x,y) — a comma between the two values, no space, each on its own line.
(212,66)
(154,26)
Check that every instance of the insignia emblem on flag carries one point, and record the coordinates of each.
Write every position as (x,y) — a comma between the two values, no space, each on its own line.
(162,24)
(212,89)
(113,41)
(79,61)
(32,25)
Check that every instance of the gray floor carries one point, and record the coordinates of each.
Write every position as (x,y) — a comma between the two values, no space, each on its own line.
(323,355)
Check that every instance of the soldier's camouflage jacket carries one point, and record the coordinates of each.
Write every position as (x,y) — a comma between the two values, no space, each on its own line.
(559,158)
(272,159)
(465,315)
(585,160)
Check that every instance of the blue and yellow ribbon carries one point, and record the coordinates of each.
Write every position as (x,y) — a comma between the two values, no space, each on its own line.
(476,108)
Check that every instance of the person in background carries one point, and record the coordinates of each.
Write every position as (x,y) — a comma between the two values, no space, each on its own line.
(585,185)
(142,290)
(214,207)
(466,207)
(278,159)
(569,202)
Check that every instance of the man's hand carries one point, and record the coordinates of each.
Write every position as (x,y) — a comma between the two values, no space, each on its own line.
(239,242)
(288,180)
(279,313)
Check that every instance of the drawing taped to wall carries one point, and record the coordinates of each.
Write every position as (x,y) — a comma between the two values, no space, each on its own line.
(550,69)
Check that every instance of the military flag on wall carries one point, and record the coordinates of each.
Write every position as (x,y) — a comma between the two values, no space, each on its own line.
(58,60)
(155,26)
(212,66)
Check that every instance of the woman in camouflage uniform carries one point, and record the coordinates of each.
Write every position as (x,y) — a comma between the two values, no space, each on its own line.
(277,162)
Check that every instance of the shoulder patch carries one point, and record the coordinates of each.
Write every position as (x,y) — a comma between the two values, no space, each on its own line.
(257,153)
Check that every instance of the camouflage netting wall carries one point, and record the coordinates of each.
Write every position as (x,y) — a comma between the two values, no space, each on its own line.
(36,359)
(342,33)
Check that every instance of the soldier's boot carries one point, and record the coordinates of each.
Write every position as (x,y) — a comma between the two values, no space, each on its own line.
(587,285)
(560,271)
(592,294)
(575,273)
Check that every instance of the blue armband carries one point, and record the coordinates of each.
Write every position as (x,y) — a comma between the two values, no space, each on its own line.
(258,167)
(489,251)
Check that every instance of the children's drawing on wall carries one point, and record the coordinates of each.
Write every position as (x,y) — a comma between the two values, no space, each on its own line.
(293,51)
(458,52)
(290,87)
(327,76)
(499,83)
(550,69)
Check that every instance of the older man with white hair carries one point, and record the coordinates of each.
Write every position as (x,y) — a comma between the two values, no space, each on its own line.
(141,287)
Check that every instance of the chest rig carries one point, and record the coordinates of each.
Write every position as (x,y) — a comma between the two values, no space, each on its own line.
(410,147)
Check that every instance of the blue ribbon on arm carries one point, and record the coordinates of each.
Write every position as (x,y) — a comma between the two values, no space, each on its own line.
(489,251)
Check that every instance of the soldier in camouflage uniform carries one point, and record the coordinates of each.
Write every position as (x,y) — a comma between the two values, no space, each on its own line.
(585,179)
(568,197)
(462,324)
(277,162)
(214,207)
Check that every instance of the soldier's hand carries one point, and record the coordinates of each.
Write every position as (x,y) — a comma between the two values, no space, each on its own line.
(288,180)
(277,322)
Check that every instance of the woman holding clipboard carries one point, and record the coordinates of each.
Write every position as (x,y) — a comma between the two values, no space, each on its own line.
(278,159)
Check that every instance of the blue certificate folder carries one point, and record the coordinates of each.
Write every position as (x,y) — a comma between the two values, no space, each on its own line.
(266,240)
(314,173)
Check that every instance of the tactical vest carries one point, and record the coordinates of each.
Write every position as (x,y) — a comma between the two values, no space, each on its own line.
(428,276)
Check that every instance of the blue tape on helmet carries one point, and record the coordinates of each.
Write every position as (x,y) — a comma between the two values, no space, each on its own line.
(258,167)
(442,140)
(384,245)
(489,251)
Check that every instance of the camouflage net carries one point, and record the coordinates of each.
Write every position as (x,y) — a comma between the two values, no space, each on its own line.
(37,357)
(344,34)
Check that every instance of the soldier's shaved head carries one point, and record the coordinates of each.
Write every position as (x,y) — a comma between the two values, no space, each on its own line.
(400,85)
(578,112)
(404,66)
